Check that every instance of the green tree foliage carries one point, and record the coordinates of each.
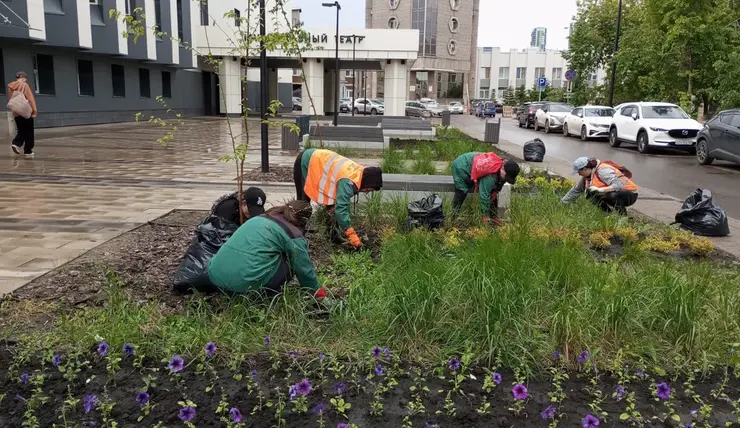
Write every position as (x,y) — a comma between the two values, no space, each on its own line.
(510,97)
(670,50)
(521,95)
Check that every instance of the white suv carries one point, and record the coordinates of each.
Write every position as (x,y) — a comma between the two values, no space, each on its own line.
(367,106)
(588,122)
(651,125)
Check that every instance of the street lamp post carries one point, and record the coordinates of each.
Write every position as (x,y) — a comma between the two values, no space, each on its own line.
(614,59)
(336,58)
(264,92)
(354,79)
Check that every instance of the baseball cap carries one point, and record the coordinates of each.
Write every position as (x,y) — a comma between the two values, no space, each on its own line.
(254,199)
(512,171)
(579,164)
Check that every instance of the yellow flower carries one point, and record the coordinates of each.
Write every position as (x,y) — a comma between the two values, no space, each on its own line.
(601,239)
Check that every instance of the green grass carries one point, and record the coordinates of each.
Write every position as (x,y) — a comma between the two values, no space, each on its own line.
(507,297)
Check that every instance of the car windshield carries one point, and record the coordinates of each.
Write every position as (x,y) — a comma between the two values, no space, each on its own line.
(490,105)
(455,104)
(557,108)
(599,112)
(376,102)
(663,112)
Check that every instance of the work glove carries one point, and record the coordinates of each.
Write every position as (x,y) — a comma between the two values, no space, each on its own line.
(354,240)
(320,294)
(492,221)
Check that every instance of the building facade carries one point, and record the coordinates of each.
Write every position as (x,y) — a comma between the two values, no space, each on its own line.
(448,34)
(539,38)
(84,71)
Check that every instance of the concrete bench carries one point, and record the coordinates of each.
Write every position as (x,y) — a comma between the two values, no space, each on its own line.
(418,184)
(408,128)
(363,120)
(358,137)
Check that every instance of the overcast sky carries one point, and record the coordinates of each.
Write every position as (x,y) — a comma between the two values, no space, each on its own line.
(503,23)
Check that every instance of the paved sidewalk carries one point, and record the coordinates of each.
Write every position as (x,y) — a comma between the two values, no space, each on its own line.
(90,184)
(653,204)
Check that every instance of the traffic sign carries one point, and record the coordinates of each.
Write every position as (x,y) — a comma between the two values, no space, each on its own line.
(570,75)
(541,82)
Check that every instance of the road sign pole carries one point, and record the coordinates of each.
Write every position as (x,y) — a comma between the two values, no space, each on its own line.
(540,97)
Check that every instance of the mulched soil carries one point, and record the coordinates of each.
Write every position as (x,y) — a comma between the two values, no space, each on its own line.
(277,174)
(123,387)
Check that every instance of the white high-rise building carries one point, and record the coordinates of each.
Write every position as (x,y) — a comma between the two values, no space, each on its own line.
(539,38)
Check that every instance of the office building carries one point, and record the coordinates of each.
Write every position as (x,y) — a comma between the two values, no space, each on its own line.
(448,35)
(539,38)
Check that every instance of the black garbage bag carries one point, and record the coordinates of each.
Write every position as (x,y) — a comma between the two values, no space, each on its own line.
(210,235)
(426,212)
(701,216)
(534,150)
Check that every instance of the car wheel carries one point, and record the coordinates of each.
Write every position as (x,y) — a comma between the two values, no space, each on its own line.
(613,140)
(702,153)
(356,110)
(642,143)
(547,127)
(565,130)
(373,112)
(520,124)
(584,134)
(536,126)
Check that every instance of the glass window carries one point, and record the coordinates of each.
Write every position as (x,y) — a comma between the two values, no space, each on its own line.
(557,74)
(521,72)
(118,79)
(145,89)
(735,120)
(180,29)
(204,13)
(576,112)
(166,84)
(43,71)
(503,72)
(85,82)
(158,14)
(129,6)
(663,112)
(558,108)
(627,111)
(726,119)
(599,112)
(2,73)
(392,23)
(539,72)
(237,18)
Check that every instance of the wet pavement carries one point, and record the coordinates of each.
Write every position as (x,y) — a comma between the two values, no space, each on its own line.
(671,173)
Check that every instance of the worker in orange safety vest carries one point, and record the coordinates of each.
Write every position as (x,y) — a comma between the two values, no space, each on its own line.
(332,180)
(606,184)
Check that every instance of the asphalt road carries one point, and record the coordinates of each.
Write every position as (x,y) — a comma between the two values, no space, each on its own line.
(672,173)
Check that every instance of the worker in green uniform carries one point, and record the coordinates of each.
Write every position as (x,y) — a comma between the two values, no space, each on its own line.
(265,253)
(485,173)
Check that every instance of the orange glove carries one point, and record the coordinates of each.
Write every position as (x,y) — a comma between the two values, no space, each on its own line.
(354,240)
(320,294)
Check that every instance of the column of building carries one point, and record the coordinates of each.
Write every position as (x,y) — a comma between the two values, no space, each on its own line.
(395,87)
(230,86)
(314,71)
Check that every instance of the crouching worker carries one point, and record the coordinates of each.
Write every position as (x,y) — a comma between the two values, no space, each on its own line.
(265,253)
(252,205)
(605,183)
(332,180)
(485,173)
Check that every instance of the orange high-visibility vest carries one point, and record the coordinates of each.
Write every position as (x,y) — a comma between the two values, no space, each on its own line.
(595,181)
(325,169)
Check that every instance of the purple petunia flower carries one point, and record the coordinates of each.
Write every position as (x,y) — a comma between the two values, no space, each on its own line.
(128,350)
(590,421)
(620,392)
(339,388)
(387,353)
(556,355)
(57,360)
(236,415)
(142,397)
(253,374)
(664,391)
(321,356)
(497,379)
(267,341)
(548,413)
(640,374)
(583,357)
(342,425)
(291,392)
(103,349)
(89,403)
(379,370)
(376,351)
(187,414)
(693,412)
(24,378)
(176,364)
(319,409)
(520,392)
(293,355)
(20,398)
(689,425)
(303,387)
(454,364)
(211,349)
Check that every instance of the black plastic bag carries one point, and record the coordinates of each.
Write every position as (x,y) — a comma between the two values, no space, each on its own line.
(534,150)
(426,213)
(210,235)
(700,216)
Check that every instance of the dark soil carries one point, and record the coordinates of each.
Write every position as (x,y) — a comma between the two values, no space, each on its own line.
(277,174)
(617,247)
(206,389)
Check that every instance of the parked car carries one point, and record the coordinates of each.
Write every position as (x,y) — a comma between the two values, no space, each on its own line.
(588,122)
(297,103)
(526,113)
(550,116)
(651,125)
(416,109)
(720,139)
(473,105)
(368,106)
(432,106)
(345,105)
(486,109)
(455,107)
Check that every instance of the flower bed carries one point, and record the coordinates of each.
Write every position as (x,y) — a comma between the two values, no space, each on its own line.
(634,333)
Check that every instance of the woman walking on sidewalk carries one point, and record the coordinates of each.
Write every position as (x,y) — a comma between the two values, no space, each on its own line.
(24,139)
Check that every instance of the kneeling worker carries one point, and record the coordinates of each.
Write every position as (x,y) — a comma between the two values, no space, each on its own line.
(606,184)
(265,253)
(485,173)
(252,205)
(332,180)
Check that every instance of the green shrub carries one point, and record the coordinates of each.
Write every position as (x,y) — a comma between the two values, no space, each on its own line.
(392,161)
(424,162)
